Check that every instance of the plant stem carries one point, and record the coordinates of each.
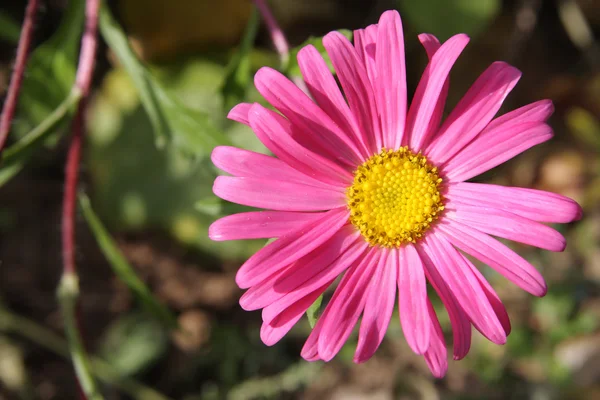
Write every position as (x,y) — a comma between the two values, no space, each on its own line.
(83,81)
(49,340)
(10,104)
(68,290)
(277,36)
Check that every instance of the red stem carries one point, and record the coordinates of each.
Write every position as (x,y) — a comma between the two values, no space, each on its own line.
(10,103)
(275,31)
(83,81)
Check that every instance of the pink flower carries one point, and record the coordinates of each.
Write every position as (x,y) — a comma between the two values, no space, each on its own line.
(367,187)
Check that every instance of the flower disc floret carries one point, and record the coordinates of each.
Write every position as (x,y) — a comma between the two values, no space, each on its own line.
(395,197)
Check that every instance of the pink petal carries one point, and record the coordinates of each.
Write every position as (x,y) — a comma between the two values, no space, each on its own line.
(315,129)
(310,350)
(277,195)
(539,111)
(461,325)
(244,163)
(493,253)
(432,45)
(464,286)
(346,305)
(290,248)
(365,43)
(533,204)
(436,355)
(412,299)
(355,82)
(491,295)
(306,274)
(506,225)
(429,90)
(259,225)
(493,147)
(240,112)
(287,295)
(272,332)
(390,86)
(326,92)
(379,306)
(474,111)
(276,134)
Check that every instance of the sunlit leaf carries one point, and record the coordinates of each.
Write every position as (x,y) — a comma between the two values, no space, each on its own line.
(136,185)
(190,130)
(314,311)
(294,69)
(122,268)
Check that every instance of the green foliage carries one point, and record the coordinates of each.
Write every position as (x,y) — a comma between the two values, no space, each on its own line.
(294,69)
(238,76)
(122,268)
(445,18)
(313,311)
(138,186)
(9,29)
(50,71)
(584,126)
(133,343)
(44,103)
(189,130)
(16,156)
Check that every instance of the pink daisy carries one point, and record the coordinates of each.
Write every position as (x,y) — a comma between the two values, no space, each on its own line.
(367,187)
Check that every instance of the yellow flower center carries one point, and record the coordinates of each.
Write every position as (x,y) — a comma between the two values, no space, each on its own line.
(395,197)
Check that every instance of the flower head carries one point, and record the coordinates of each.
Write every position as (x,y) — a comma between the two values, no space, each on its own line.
(366,186)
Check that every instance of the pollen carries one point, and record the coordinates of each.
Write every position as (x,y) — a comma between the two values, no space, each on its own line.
(395,198)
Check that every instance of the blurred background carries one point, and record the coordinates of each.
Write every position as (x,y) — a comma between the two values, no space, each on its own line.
(146,173)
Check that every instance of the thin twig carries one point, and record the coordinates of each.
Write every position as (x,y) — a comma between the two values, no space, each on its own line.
(68,290)
(10,103)
(277,36)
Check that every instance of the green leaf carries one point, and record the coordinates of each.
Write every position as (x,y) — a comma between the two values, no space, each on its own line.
(190,130)
(122,268)
(294,69)
(139,187)
(15,157)
(133,343)
(313,311)
(9,29)
(50,73)
(238,76)
(46,95)
(445,18)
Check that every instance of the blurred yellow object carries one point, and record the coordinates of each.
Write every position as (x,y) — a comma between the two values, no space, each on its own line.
(163,28)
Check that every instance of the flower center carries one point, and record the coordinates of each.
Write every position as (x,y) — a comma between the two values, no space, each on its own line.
(395,197)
